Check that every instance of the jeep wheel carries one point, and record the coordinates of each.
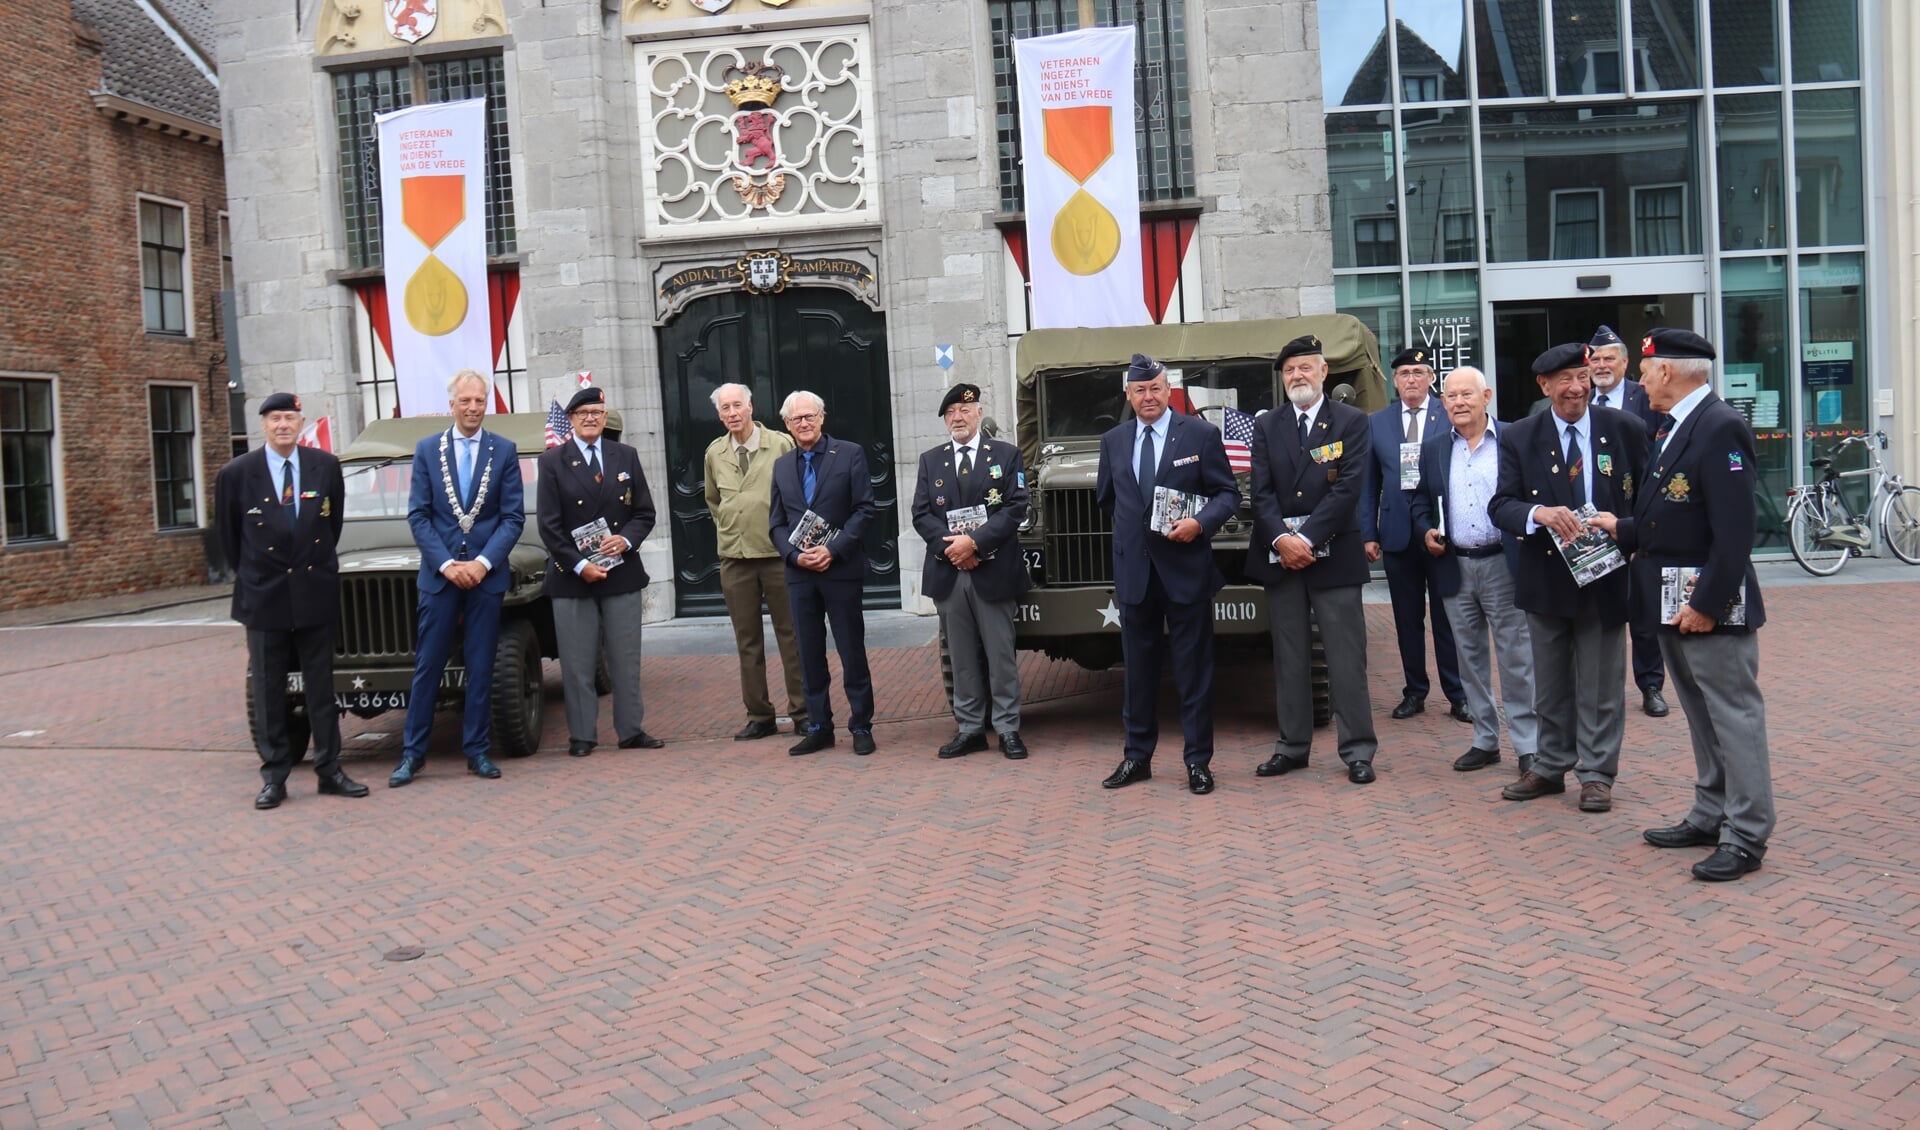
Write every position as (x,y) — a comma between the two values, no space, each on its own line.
(299,730)
(517,697)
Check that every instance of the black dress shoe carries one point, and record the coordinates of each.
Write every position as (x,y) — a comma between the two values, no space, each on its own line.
(405,774)
(641,740)
(754,731)
(341,785)
(1476,758)
(963,744)
(1278,764)
(1410,706)
(578,748)
(481,767)
(813,742)
(1360,772)
(1012,746)
(1654,705)
(270,796)
(1199,779)
(1130,772)
(1726,863)
(1459,713)
(1681,835)
(863,743)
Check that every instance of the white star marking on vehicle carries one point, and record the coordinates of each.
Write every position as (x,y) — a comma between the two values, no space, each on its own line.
(359,684)
(1110,615)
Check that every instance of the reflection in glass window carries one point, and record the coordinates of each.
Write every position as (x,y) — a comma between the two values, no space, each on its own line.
(1748,152)
(1375,242)
(1439,174)
(1419,88)
(1659,220)
(1586,46)
(1745,43)
(1446,317)
(1432,36)
(1375,300)
(1576,224)
(1506,43)
(1755,371)
(1353,38)
(1666,38)
(1456,229)
(1360,183)
(1833,334)
(1826,41)
(1826,138)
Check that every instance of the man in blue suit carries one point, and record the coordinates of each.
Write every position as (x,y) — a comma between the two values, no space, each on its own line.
(1164,577)
(826,479)
(1395,434)
(1607,359)
(1474,567)
(466,510)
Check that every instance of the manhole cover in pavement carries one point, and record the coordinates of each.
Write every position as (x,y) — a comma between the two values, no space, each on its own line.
(405,953)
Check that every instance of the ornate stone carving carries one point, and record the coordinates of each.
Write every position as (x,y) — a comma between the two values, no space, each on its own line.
(346,26)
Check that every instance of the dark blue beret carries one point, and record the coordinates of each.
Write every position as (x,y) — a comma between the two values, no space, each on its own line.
(1605,336)
(1300,347)
(1144,368)
(959,394)
(1412,355)
(1572,355)
(585,397)
(1666,341)
(280,402)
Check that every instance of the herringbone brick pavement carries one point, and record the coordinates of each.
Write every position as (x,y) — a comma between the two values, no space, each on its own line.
(718,935)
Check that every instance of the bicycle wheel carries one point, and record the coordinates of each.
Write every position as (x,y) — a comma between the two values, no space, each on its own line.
(1900,524)
(1806,520)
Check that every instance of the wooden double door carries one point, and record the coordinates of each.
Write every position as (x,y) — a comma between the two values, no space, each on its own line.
(818,339)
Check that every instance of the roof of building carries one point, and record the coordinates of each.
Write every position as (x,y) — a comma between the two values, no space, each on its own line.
(154,52)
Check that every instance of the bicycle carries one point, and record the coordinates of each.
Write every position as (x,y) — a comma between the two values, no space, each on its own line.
(1824,530)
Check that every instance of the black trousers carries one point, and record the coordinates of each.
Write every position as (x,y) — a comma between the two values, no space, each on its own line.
(271,653)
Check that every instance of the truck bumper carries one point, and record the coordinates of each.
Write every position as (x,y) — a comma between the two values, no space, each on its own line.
(1043,617)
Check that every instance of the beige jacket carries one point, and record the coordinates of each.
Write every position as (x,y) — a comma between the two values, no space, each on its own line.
(740,503)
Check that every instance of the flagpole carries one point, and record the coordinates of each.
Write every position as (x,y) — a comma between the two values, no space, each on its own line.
(1087,18)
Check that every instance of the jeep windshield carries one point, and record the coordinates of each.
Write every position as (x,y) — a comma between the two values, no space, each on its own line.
(380,490)
(1086,402)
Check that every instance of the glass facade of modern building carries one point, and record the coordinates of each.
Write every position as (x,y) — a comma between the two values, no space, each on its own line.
(1509,174)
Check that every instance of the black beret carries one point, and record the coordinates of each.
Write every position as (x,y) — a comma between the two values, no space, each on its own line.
(1666,341)
(1411,356)
(585,397)
(280,402)
(959,394)
(1572,355)
(1605,336)
(1300,347)
(1144,368)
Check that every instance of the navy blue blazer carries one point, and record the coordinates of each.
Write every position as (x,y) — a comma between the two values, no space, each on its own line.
(998,482)
(1289,482)
(1195,462)
(1383,505)
(567,498)
(1697,509)
(497,525)
(1431,498)
(286,574)
(842,496)
(1533,473)
(1633,398)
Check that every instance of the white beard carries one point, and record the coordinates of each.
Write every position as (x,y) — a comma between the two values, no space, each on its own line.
(1302,396)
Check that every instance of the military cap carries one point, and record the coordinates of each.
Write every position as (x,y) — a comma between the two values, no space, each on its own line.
(1411,355)
(280,402)
(1299,347)
(959,394)
(1666,341)
(585,397)
(1144,368)
(1572,355)
(1605,336)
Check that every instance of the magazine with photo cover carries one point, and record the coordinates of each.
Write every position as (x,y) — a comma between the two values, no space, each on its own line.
(810,531)
(1171,506)
(1593,554)
(588,538)
(1676,589)
(966,519)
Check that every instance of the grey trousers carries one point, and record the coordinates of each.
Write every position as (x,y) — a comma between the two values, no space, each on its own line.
(1580,690)
(1716,677)
(1483,613)
(985,665)
(584,626)
(1343,633)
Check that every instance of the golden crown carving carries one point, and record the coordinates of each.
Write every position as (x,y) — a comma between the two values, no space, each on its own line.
(758,84)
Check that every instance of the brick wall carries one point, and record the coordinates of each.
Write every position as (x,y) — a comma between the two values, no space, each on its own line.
(70,289)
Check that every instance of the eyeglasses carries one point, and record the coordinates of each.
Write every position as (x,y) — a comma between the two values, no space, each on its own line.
(809,418)
(586,415)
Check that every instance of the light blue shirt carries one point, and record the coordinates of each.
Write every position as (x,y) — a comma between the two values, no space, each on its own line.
(1685,408)
(587,452)
(276,464)
(1159,430)
(1471,478)
(472,458)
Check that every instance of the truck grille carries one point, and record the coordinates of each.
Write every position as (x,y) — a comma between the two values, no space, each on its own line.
(377,618)
(1079,539)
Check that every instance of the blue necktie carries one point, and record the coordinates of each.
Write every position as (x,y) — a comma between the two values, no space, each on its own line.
(806,477)
(466,465)
(289,499)
(1302,417)
(1576,466)
(1147,464)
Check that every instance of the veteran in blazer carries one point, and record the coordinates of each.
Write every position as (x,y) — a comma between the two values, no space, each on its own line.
(466,508)
(1165,578)
(1607,359)
(1384,524)
(827,478)
(1309,460)
(1474,563)
(596,587)
(279,510)
(1696,517)
(1551,464)
(968,504)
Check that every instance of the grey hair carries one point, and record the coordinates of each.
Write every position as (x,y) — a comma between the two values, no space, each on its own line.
(1479,378)
(799,398)
(731,387)
(462,377)
(1691,370)
(1596,350)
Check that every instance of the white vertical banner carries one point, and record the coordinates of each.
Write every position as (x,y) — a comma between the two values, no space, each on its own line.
(433,232)
(1081,170)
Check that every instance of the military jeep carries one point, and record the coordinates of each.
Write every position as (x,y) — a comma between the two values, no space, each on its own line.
(1070,392)
(373,651)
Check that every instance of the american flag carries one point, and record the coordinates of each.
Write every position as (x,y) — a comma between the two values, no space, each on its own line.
(559,429)
(1236,433)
